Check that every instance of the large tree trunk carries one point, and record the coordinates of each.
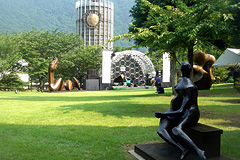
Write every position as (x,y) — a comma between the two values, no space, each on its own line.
(190,59)
(190,55)
(173,73)
(41,83)
(31,83)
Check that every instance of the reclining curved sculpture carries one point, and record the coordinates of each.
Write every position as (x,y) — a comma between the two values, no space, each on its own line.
(59,84)
(202,70)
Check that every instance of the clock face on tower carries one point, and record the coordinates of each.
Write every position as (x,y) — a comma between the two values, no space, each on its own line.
(92,18)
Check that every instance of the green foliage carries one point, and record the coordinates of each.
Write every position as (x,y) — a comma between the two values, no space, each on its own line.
(76,62)
(170,26)
(220,74)
(25,14)
(230,80)
(122,19)
(39,47)
(235,32)
(237,84)
(156,58)
(11,82)
(8,54)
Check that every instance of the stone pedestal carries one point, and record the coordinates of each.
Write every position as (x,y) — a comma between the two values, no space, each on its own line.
(91,85)
(205,137)
(164,151)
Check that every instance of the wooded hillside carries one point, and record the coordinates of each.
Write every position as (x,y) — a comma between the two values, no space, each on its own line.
(17,15)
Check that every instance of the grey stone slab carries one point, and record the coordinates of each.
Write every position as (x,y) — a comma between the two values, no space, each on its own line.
(164,151)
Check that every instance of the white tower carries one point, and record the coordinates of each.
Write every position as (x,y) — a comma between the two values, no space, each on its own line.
(95,22)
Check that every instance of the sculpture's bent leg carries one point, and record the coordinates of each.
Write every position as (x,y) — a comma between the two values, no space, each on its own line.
(57,86)
(163,131)
(183,137)
(69,85)
(76,83)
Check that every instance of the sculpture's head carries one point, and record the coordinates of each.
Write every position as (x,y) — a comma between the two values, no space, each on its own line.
(202,69)
(53,64)
(186,69)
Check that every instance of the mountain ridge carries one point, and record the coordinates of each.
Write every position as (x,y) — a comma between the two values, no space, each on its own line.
(24,15)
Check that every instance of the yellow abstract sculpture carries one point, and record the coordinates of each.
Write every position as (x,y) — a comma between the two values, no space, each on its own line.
(202,70)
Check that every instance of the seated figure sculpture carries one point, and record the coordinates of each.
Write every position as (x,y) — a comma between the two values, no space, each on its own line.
(59,84)
(202,70)
(183,113)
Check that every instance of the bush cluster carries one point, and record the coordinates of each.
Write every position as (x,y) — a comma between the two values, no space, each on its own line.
(11,82)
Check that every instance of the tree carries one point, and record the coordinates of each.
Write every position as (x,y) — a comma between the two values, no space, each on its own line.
(178,25)
(38,49)
(187,25)
(11,81)
(8,55)
(235,32)
(156,58)
(76,62)
(220,74)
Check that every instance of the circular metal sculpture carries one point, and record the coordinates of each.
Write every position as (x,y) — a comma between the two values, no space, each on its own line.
(92,18)
(133,64)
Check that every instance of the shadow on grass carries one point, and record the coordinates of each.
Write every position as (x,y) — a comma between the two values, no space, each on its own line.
(119,109)
(71,141)
(100,97)
(86,142)
(229,119)
(231,101)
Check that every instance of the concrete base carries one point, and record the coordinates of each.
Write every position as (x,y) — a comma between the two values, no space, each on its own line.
(164,151)
(91,85)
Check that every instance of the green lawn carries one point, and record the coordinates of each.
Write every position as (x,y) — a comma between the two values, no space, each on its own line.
(102,124)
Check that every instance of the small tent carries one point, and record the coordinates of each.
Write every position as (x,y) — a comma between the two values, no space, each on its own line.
(230,58)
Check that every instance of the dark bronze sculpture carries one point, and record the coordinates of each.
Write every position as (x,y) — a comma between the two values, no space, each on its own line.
(183,113)
(59,84)
(202,70)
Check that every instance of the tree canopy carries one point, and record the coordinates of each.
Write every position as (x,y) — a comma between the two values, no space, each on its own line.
(8,52)
(177,26)
(38,48)
(180,24)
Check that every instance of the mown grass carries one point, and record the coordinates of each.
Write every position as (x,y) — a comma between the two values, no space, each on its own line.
(102,124)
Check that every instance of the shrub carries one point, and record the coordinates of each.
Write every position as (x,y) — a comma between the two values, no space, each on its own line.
(230,80)
(237,84)
(11,82)
(220,74)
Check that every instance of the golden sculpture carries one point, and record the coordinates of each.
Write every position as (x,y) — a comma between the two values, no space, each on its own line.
(59,84)
(92,19)
(76,83)
(202,70)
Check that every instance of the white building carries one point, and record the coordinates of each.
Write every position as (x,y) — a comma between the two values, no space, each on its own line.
(94,22)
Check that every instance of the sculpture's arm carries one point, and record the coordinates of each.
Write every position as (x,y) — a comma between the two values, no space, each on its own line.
(175,113)
(181,110)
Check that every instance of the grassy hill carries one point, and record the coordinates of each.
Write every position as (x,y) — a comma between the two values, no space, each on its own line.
(51,14)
